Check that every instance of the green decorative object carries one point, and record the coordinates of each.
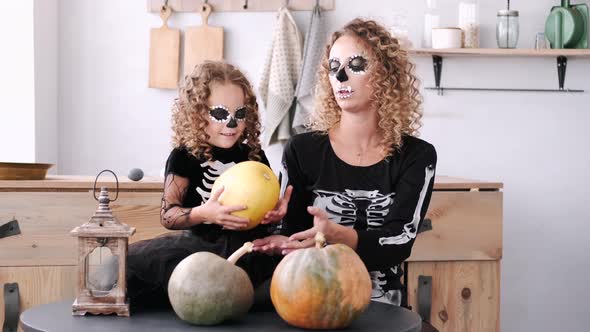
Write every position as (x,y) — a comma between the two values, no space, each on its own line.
(205,289)
(567,26)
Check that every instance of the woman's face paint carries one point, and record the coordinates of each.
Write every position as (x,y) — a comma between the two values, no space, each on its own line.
(356,64)
(349,66)
(226,128)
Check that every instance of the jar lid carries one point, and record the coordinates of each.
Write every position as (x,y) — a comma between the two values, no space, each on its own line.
(507,12)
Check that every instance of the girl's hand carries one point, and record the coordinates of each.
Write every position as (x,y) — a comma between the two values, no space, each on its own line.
(280,209)
(270,245)
(213,212)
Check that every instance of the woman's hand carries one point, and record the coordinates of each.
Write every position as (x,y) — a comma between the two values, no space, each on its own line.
(306,239)
(270,245)
(212,211)
(333,232)
(280,209)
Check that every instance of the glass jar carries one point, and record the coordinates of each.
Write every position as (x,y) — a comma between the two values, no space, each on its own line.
(469,23)
(507,28)
(431,20)
(399,29)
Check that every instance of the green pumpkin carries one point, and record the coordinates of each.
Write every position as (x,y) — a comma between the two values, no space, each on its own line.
(205,289)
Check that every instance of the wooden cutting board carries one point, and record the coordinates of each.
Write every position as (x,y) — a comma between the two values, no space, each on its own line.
(202,43)
(164,54)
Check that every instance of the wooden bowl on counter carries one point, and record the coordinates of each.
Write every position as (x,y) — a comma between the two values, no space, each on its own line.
(23,171)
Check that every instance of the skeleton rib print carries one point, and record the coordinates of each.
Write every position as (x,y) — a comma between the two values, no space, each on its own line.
(366,210)
(361,209)
(212,170)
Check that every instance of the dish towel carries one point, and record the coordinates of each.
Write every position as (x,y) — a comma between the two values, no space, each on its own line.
(279,79)
(315,42)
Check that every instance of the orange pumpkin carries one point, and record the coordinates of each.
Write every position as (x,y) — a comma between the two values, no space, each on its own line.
(252,184)
(322,287)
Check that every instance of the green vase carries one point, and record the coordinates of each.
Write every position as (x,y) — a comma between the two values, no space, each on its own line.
(567,26)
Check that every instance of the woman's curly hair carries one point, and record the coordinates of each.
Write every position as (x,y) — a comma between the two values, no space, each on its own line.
(395,95)
(190,113)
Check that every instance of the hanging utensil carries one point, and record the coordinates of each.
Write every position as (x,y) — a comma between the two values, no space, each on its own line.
(164,54)
(203,42)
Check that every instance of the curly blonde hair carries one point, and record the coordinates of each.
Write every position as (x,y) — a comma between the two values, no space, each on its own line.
(190,113)
(395,96)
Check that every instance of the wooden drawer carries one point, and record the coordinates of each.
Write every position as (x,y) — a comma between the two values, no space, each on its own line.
(461,254)
(38,284)
(46,219)
(42,259)
(466,225)
(465,295)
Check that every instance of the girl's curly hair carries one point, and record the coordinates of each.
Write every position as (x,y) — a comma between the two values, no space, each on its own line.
(395,88)
(190,113)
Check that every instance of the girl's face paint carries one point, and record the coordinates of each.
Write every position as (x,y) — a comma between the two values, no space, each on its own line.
(349,66)
(225,128)
(221,114)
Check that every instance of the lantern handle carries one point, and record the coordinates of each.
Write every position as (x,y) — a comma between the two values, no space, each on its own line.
(95,180)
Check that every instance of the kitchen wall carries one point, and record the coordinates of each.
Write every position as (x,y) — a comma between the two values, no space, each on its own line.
(46,50)
(535,143)
(28,85)
(17,84)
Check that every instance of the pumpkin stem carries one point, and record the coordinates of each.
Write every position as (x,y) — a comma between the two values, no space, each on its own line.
(246,248)
(320,240)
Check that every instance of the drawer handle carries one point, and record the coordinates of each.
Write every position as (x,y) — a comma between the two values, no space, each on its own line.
(425,225)
(11,307)
(9,229)
(424,297)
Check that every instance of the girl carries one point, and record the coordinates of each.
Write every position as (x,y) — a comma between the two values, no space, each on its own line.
(215,125)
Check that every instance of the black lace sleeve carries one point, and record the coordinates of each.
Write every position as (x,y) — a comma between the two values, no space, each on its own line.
(173,215)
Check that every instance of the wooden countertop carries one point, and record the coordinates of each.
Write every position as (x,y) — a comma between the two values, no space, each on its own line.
(82,183)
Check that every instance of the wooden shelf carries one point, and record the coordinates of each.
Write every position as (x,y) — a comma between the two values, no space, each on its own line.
(560,54)
(501,52)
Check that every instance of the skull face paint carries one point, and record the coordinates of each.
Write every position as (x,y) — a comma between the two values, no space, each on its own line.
(225,129)
(357,64)
(221,114)
(348,66)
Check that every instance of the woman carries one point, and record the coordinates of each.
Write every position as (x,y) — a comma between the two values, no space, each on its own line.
(361,177)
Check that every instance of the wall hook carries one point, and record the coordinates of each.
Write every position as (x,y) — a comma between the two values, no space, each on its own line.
(164,6)
(245,4)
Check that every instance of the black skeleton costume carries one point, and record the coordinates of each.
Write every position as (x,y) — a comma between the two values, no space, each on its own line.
(188,184)
(384,202)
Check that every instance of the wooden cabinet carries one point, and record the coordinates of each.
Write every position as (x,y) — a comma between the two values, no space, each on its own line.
(454,270)
(461,253)
(42,258)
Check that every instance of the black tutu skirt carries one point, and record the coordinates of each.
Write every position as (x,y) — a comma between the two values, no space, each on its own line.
(150,264)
